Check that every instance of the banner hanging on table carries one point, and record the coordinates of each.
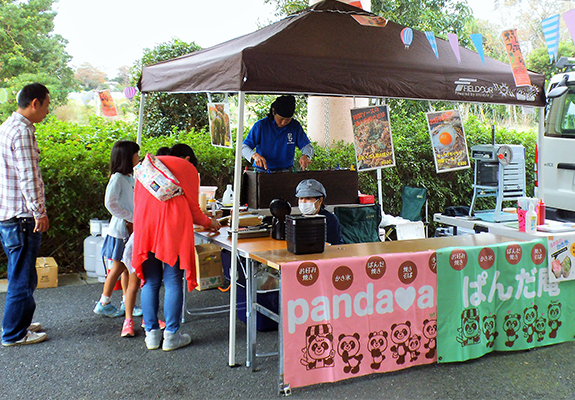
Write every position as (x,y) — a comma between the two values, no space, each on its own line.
(499,298)
(355,316)
(372,138)
(220,132)
(516,60)
(448,141)
(108,107)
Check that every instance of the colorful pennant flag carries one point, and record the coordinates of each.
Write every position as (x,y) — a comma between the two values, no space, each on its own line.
(569,18)
(477,39)
(432,42)
(516,58)
(454,42)
(551,33)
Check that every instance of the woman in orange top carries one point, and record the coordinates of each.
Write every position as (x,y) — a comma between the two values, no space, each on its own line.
(164,247)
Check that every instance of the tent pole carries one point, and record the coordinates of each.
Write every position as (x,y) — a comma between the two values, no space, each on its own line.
(235,226)
(379,190)
(141,118)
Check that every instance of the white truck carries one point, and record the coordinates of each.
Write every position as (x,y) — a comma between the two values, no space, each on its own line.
(556,146)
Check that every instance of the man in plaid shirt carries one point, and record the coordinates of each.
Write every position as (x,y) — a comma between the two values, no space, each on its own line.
(22,213)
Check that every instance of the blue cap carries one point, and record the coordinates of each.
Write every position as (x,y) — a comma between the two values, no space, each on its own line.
(310,188)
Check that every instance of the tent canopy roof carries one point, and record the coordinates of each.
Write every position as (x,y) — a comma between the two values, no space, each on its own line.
(324,50)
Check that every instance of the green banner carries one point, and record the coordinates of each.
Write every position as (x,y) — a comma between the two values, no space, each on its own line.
(499,298)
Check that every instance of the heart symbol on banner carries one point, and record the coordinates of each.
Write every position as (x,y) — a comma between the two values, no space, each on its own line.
(405,297)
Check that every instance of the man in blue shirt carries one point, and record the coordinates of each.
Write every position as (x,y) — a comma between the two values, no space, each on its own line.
(272,140)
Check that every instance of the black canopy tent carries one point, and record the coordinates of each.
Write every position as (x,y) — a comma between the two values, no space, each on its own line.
(324,50)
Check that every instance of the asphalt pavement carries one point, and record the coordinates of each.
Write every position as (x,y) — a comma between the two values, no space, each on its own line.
(85,358)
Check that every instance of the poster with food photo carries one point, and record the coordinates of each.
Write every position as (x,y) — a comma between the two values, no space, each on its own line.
(372,138)
(561,254)
(220,132)
(448,141)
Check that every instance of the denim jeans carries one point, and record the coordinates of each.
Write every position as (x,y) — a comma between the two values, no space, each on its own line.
(154,272)
(21,245)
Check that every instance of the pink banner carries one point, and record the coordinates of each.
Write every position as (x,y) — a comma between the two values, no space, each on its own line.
(355,316)
(569,18)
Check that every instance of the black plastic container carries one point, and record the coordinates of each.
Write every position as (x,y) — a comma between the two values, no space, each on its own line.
(305,234)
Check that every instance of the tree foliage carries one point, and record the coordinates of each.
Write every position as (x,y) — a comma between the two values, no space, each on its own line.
(165,112)
(538,59)
(30,52)
(90,77)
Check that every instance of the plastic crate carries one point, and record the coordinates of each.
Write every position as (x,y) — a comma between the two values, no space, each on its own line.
(267,298)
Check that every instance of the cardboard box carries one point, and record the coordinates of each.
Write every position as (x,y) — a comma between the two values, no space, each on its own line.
(209,270)
(47,270)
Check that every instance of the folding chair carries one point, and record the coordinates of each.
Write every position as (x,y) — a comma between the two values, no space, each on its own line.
(359,224)
(413,204)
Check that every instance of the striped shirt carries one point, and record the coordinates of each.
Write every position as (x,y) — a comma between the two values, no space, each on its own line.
(21,185)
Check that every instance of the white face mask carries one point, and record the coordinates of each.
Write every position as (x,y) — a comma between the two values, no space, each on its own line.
(307,208)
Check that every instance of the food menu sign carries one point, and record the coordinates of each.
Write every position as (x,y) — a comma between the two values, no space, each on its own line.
(561,257)
(372,138)
(355,316)
(448,141)
(499,298)
(219,117)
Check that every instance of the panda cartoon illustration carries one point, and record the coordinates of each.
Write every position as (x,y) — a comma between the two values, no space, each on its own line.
(489,330)
(376,344)
(319,352)
(470,331)
(348,349)
(553,315)
(430,333)
(400,334)
(413,344)
(529,318)
(511,325)
(540,328)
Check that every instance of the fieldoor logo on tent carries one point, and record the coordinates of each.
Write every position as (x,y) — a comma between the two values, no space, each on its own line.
(468,87)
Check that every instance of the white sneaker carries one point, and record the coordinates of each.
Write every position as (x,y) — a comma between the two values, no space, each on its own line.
(35,327)
(153,339)
(30,338)
(173,341)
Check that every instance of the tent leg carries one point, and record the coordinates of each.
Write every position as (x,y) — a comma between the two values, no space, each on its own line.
(141,118)
(379,191)
(235,225)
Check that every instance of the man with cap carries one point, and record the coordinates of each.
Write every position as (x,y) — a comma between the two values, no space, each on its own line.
(310,194)
(272,140)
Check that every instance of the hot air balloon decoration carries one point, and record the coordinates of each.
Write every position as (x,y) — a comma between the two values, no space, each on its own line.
(130,92)
(407,37)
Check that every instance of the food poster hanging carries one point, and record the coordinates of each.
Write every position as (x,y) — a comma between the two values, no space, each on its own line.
(372,138)
(499,298)
(561,257)
(108,107)
(448,141)
(355,316)
(219,117)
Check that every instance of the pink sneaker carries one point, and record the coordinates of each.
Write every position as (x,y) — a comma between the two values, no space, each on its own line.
(128,328)
(160,322)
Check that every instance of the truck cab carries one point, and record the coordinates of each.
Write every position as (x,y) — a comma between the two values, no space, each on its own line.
(556,145)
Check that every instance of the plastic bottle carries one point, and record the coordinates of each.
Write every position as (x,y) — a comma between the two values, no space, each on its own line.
(531,220)
(228,199)
(541,215)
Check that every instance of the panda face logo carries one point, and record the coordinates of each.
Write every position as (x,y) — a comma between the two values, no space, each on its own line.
(529,315)
(400,333)
(471,327)
(554,311)
(320,347)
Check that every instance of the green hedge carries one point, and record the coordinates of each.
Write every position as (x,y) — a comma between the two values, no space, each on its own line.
(75,159)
